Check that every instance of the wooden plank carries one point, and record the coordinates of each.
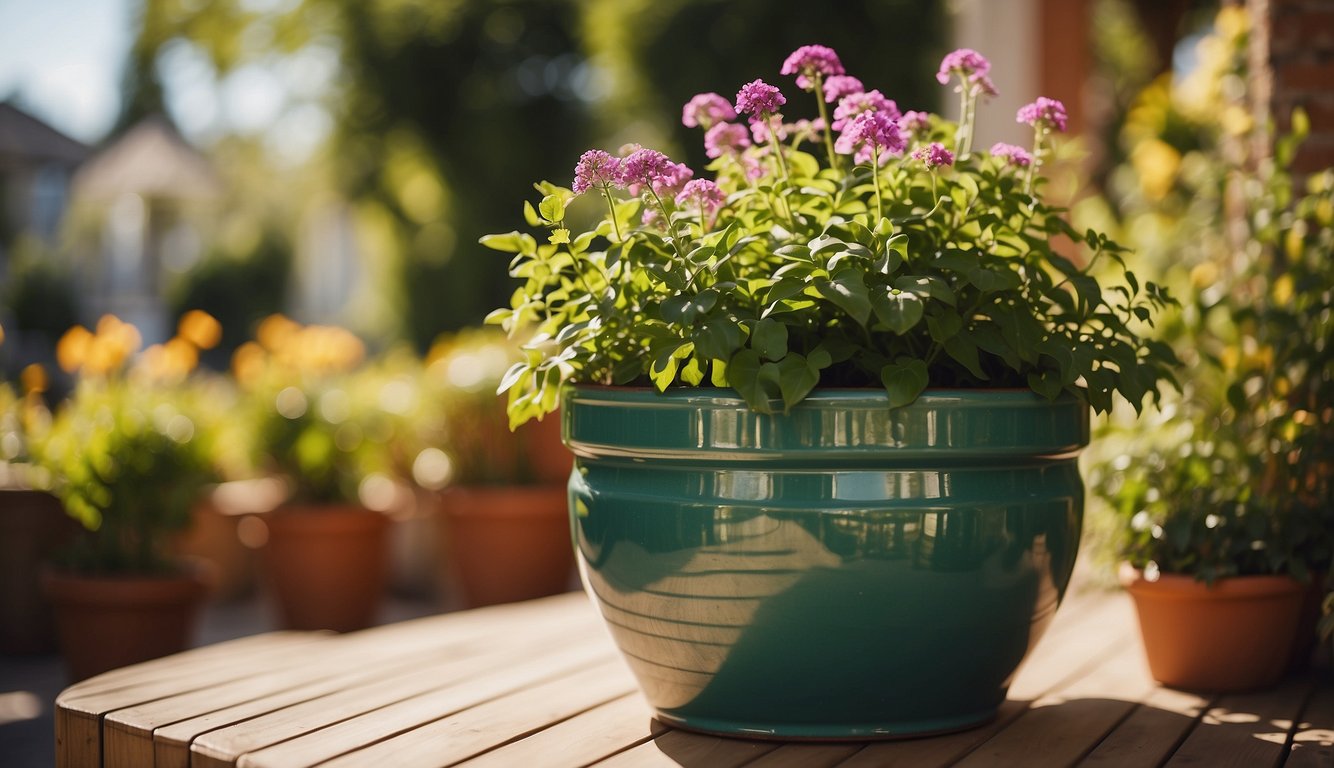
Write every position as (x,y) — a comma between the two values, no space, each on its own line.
(80,708)
(1313,738)
(807,756)
(1063,726)
(674,748)
(1152,732)
(486,679)
(454,733)
(593,735)
(1073,648)
(1245,730)
(128,734)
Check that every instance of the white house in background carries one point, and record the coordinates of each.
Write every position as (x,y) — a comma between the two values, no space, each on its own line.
(146,196)
(36,165)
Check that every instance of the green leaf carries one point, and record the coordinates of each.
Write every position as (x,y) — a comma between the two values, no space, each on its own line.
(510,242)
(964,350)
(904,381)
(1047,384)
(719,338)
(899,310)
(718,373)
(552,208)
(769,339)
(847,290)
(530,215)
(692,373)
(944,325)
(928,286)
(743,375)
(796,379)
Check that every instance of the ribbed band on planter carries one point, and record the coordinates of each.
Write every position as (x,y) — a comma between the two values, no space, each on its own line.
(842,571)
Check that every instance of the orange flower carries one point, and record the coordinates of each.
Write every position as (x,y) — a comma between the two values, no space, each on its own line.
(72,349)
(200,329)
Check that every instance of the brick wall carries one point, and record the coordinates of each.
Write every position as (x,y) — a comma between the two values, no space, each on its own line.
(1293,54)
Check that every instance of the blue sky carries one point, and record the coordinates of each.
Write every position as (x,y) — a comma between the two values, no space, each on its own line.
(61,60)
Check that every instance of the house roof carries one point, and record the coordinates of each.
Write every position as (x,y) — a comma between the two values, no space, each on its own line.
(151,160)
(24,137)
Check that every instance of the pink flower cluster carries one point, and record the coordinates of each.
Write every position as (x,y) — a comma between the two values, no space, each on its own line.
(702,194)
(871,135)
(810,61)
(838,86)
(726,139)
(596,168)
(971,67)
(1016,156)
(757,98)
(934,155)
(705,110)
(857,103)
(1048,112)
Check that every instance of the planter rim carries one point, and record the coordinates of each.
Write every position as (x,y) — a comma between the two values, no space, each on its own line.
(69,586)
(835,396)
(831,425)
(1179,586)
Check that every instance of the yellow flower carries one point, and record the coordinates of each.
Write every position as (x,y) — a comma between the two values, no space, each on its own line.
(248,362)
(72,349)
(276,332)
(34,378)
(200,329)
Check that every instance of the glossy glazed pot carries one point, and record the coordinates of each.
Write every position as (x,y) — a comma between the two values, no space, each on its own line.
(105,622)
(328,565)
(507,543)
(842,571)
(1236,635)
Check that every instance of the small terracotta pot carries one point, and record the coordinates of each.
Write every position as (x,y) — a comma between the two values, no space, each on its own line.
(548,458)
(507,544)
(1236,635)
(212,537)
(33,526)
(327,565)
(105,622)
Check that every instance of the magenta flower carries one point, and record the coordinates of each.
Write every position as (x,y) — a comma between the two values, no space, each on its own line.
(1016,156)
(915,123)
(652,217)
(725,139)
(596,168)
(669,181)
(809,61)
(870,101)
(870,134)
(641,168)
(705,109)
(1044,111)
(965,62)
(838,86)
(934,155)
(760,131)
(702,194)
(758,98)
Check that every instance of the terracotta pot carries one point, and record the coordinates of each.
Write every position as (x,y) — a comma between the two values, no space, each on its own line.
(1303,642)
(1234,636)
(212,537)
(105,622)
(33,526)
(548,458)
(507,544)
(327,565)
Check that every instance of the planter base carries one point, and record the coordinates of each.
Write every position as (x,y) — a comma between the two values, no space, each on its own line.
(821,732)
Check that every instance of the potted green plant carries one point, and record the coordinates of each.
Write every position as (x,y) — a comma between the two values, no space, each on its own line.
(1227,506)
(33,526)
(127,461)
(505,530)
(327,553)
(825,406)
(1222,505)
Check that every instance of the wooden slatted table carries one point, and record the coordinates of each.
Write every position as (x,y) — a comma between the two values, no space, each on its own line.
(540,684)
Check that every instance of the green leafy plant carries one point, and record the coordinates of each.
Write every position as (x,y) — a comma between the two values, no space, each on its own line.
(877,258)
(316,416)
(1233,476)
(468,419)
(124,453)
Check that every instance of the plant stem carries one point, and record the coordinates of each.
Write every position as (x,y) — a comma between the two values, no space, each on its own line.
(611,207)
(875,176)
(667,221)
(963,138)
(777,148)
(824,115)
(1037,158)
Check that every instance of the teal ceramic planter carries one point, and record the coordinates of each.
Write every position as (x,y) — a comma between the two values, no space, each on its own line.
(840,572)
